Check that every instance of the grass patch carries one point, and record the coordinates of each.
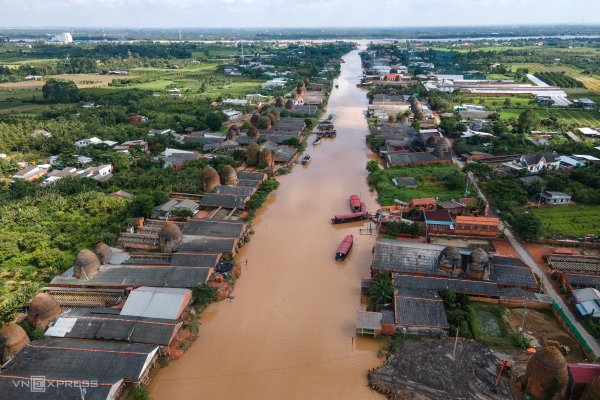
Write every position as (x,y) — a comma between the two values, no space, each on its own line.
(382,181)
(575,221)
(491,329)
(511,112)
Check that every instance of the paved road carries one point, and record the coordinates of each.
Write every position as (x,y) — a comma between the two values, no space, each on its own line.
(549,289)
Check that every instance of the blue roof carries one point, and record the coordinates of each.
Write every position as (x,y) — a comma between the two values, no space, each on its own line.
(581,310)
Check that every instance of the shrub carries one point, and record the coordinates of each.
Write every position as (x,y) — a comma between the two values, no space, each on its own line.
(183,346)
(247,125)
(264,123)
(519,339)
(138,393)
(203,293)
(250,162)
(285,113)
(247,239)
(163,360)
(563,290)
(262,165)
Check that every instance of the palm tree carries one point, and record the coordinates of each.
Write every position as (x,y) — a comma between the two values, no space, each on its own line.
(382,289)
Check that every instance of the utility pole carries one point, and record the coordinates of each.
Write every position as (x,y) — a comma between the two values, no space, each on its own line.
(540,199)
(524,314)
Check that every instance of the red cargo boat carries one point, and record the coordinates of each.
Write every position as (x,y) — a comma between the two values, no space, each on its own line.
(344,248)
(340,219)
(355,203)
(363,207)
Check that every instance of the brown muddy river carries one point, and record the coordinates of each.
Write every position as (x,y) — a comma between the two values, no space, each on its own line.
(288,332)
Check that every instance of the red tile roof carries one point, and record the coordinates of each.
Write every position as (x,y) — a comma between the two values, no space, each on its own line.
(477,221)
(422,202)
(584,373)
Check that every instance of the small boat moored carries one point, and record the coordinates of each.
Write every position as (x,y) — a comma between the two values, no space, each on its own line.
(330,118)
(355,203)
(306,159)
(337,86)
(345,246)
(317,140)
(342,219)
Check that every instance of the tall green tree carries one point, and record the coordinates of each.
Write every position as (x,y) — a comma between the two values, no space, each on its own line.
(527,225)
(528,121)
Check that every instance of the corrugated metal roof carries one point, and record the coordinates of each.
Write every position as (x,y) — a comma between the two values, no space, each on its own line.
(90,360)
(423,312)
(368,320)
(156,302)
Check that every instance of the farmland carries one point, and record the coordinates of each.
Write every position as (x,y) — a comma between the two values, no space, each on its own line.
(575,221)
(577,93)
(83,79)
(592,84)
(511,112)
(582,118)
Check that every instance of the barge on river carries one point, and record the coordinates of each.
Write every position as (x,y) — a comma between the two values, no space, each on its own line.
(355,203)
(342,219)
(344,249)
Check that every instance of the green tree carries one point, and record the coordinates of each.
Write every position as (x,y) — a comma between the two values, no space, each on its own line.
(48,258)
(294,141)
(203,293)
(121,162)
(479,169)
(527,225)
(506,102)
(61,92)
(416,125)
(284,113)
(135,152)
(372,166)
(382,289)
(141,205)
(528,121)
(214,121)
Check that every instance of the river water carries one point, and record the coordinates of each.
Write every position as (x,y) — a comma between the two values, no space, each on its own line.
(288,332)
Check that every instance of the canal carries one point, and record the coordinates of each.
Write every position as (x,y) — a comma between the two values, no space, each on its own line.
(288,332)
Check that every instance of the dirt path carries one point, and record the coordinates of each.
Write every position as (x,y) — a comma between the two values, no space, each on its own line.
(20,108)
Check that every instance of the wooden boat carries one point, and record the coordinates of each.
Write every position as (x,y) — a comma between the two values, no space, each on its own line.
(330,118)
(355,203)
(317,140)
(342,219)
(337,86)
(345,246)
(306,159)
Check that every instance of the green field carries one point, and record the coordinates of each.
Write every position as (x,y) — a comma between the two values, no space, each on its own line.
(388,192)
(577,93)
(574,220)
(589,119)
(510,112)
(499,100)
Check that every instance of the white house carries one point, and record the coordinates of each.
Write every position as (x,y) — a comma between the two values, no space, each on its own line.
(298,102)
(86,142)
(235,101)
(232,114)
(96,172)
(153,132)
(41,132)
(535,162)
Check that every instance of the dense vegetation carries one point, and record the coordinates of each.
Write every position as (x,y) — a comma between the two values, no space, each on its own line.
(558,79)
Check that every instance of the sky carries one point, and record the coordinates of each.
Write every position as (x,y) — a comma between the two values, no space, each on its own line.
(294,13)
